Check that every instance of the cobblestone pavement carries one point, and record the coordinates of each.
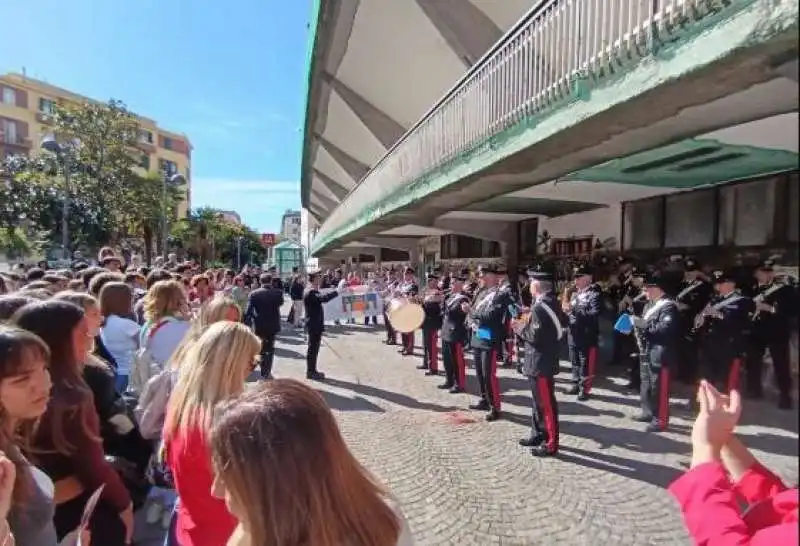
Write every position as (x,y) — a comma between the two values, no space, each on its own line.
(463,481)
(466,484)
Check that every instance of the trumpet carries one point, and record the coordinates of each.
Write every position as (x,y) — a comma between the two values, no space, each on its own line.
(708,312)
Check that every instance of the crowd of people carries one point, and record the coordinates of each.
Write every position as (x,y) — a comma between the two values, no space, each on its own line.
(134,381)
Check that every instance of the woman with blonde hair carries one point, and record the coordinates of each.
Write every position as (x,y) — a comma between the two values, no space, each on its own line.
(285,472)
(167,319)
(214,370)
(218,309)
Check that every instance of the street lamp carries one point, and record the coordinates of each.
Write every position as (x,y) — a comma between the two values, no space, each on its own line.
(50,144)
(239,253)
(169,179)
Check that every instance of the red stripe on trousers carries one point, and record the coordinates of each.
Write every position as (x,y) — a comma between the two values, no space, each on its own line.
(461,365)
(433,343)
(510,338)
(733,375)
(493,378)
(408,342)
(543,388)
(591,365)
(663,398)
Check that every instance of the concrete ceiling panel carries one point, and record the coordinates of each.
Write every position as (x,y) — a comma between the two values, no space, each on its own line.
(468,30)
(328,166)
(414,231)
(503,13)
(542,207)
(487,216)
(320,180)
(324,200)
(602,193)
(776,133)
(318,207)
(347,132)
(397,60)
(351,165)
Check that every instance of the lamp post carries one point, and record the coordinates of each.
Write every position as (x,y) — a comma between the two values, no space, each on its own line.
(62,153)
(169,179)
(238,253)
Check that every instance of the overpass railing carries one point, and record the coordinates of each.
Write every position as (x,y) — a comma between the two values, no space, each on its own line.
(535,66)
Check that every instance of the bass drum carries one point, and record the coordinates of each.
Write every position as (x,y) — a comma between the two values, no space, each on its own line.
(404,315)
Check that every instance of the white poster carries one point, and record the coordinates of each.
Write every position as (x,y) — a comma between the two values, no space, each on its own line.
(353,302)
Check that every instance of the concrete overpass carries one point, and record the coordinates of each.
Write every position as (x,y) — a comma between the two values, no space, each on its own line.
(565,116)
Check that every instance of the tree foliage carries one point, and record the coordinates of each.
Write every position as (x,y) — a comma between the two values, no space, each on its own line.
(207,237)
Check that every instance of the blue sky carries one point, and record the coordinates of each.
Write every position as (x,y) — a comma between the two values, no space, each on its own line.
(230,74)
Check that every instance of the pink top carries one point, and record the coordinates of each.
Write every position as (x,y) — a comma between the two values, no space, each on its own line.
(203,520)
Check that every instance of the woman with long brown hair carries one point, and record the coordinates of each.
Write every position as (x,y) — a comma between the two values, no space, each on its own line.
(67,445)
(286,473)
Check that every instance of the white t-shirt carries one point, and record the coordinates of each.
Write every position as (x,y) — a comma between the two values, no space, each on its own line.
(121,337)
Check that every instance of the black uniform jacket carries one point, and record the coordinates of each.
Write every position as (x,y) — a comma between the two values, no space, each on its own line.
(454,325)
(541,337)
(777,325)
(490,312)
(315,313)
(433,315)
(696,296)
(584,317)
(661,333)
(263,312)
(727,336)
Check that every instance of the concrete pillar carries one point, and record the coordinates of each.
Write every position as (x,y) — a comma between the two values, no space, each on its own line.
(511,251)
(415,260)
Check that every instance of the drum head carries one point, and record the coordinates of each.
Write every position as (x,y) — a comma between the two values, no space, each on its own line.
(407,318)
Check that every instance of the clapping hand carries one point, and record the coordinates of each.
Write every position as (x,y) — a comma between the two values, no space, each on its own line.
(718,417)
(8,475)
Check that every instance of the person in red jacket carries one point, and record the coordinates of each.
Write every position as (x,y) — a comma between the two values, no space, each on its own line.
(723,472)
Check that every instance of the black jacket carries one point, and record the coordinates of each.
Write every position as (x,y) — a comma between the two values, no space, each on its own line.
(727,337)
(315,313)
(489,313)
(541,337)
(662,333)
(296,290)
(263,312)
(454,325)
(584,317)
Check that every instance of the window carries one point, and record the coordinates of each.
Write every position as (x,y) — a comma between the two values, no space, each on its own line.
(8,128)
(145,137)
(167,166)
(642,221)
(9,96)
(690,219)
(747,213)
(145,162)
(168,144)
(794,203)
(47,106)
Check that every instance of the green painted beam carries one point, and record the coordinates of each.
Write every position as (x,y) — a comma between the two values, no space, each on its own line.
(690,163)
(524,205)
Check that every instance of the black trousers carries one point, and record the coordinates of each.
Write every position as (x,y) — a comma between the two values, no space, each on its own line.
(408,342)
(721,368)
(267,353)
(779,351)
(687,370)
(105,525)
(430,349)
(314,343)
(454,365)
(486,372)
(584,364)
(544,415)
(654,391)
(290,316)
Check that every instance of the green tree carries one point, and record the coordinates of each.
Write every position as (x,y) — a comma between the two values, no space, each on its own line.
(206,237)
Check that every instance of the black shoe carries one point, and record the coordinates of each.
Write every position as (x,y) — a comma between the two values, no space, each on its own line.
(422,367)
(493,415)
(482,405)
(654,426)
(582,396)
(390,342)
(543,451)
(633,386)
(642,418)
(507,363)
(531,441)
(445,386)
(455,389)
(432,372)
(316,376)
(574,389)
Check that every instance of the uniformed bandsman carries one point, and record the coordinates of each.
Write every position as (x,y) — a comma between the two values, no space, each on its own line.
(488,316)
(392,287)
(724,328)
(633,302)
(408,289)
(774,311)
(541,332)
(695,293)
(455,335)
(659,333)
(432,323)
(583,310)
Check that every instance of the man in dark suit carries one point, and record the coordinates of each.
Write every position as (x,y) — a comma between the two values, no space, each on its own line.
(542,332)
(263,315)
(315,323)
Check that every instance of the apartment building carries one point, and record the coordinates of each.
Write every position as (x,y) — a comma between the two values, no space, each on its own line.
(290,225)
(25,104)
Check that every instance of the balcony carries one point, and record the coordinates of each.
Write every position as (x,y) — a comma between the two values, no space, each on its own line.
(557,55)
(16,142)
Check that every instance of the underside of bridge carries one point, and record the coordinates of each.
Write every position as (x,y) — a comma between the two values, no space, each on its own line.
(732,118)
